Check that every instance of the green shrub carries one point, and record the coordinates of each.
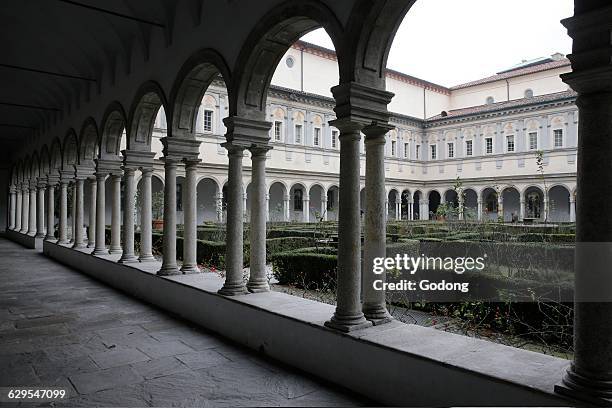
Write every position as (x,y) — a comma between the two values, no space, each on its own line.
(275,245)
(313,270)
(211,253)
(562,238)
(531,237)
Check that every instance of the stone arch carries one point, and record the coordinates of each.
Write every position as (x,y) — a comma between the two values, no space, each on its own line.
(470,204)
(490,203)
(417,199)
(267,43)
(316,192)
(435,198)
(534,201)
(511,204)
(34,166)
(149,99)
(70,151)
(393,197)
(192,81)
(333,197)
(559,203)
(88,143)
(45,161)
(207,190)
(55,156)
(296,206)
(405,198)
(276,193)
(112,129)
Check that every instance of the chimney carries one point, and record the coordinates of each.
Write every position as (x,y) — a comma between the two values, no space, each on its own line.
(557,56)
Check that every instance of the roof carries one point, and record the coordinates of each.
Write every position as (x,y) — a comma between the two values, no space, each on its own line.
(505,105)
(516,72)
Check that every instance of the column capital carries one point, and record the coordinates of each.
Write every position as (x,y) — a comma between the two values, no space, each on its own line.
(246,131)
(181,148)
(147,171)
(234,148)
(12,189)
(375,133)
(191,163)
(361,104)
(259,151)
(107,166)
(137,159)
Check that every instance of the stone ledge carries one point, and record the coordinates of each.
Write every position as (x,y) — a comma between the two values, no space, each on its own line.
(27,241)
(395,364)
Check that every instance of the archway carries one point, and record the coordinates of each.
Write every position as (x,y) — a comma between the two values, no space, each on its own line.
(511,202)
(332,203)
(489,204)
(393,199)
(317,211)
(434,203)
(276,208)
(559,204)
(405,207)
(451,198)
(534,203)
(206,192)
(470,204)
(416,205)
(296,202)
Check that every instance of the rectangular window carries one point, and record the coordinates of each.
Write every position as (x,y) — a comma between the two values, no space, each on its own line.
(298,134)
(451,150)
(433,152)
(510,143)
(533,140)
(418,151)
(406,150)
(469,148)
(334,139)
(316,140)
(278,131)
(489,145)
(558,134)
(208,120)
(393,148)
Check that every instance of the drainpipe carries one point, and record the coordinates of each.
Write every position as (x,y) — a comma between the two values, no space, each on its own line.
(507,90)
(424,104)
(302,69)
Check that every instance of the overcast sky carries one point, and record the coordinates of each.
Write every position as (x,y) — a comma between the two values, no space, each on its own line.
(450,42)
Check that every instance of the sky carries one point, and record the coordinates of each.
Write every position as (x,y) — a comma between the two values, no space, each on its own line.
(450,42)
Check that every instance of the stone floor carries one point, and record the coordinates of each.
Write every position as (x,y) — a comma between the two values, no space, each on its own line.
(59,328)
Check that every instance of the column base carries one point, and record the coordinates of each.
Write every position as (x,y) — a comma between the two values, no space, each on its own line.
(594,391)
(258,286)
(349,323)
(91,244)
(190,269)
(79,246)
(146,258)
(41,235)
(50,238)
(128,259)
(100,251)
(114,251)
(378,316)
(234,289)
(169,270)
(31,233)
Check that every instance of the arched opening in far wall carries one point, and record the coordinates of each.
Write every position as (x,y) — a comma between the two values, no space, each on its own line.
(276,204)
(332,203)
(207,192)
(559,204)
(511,200)
(434,203)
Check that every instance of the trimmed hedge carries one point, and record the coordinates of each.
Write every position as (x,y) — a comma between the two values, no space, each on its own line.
(311,269)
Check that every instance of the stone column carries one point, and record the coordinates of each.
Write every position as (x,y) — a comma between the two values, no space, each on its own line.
(12,205)
(40,207)
(522,209)
(425,210)
(234,282)
(398,209)
(190,234)
(63,214)
(78,219)
(50,236)
(410,211)
(461,206)
(91,230)
(324,206)
(500,206)
(267,207)
(32,215)
(306,208)
(546,205)
(115,245)
(18,208)
(100,241)
(374,301)
(258,280)
(572,208)
(479,210)
(589,377)
(73,211)
(244,206)
(129,206)
(146,217)
(25,209)
(348,315)
(219,205)
(169,266)
(287,208)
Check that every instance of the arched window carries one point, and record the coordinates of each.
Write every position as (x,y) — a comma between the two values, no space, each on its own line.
(298,204)
(528,93)
(490,100)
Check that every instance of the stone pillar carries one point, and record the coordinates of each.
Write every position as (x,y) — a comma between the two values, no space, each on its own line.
(410,210)
(398,209)
(234,282)
(18,208)
(115,244)
(169,266)
(522,209)
(479,209)
(129,207)
(306,208)
(63,213)
(589,377)
(190,234)
(91,230)
(219,205)
(461,206)
(287,207)
(258,280)
(12,207)
(267,207)
(572,208)
(32,215)
(546,201)
(348,315)
(100,215)
(40,216)
(425,210)
(78,219)
(73,211)
(324,206)
(25,209)
(50,236)
(374,301)
(244,206)
(146,217)
(500,206)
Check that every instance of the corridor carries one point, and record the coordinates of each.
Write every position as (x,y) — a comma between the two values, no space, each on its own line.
(59,328)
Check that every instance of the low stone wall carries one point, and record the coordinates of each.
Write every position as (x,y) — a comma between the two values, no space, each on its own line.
(394,364)
(27,241)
